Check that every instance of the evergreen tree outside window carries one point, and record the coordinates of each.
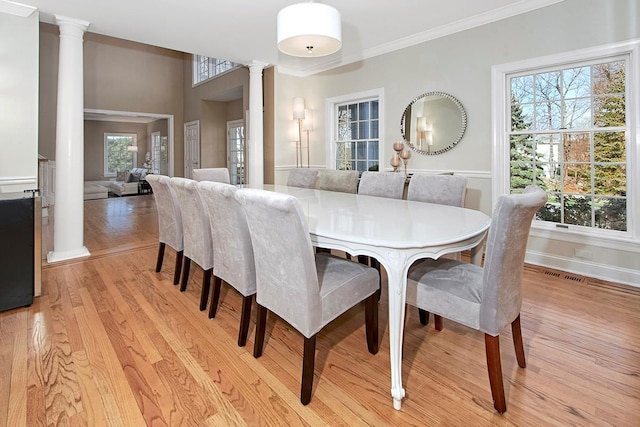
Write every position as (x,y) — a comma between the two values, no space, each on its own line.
(568,134)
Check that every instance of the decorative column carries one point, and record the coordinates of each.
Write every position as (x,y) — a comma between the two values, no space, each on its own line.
(255,147)
(68,226)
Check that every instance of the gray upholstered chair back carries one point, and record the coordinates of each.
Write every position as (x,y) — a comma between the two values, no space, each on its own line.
(212,174)
(233,255)
(195,223)
(382,184)
(506,247)
(442,189)
(338,180)
(169,216)
(303,178)
(286,276)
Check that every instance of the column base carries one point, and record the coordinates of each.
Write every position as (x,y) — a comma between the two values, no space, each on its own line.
(57,256)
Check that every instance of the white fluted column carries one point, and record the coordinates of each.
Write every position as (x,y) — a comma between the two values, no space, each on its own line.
(255,147)
(68,228)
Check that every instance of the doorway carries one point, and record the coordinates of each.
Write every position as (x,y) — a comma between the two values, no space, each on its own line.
(191,147)
(235,151)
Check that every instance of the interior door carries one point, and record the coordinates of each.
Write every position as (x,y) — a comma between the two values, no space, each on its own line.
(235,152)
(191,147)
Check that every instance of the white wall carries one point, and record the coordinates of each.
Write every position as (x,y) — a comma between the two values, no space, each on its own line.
(460,64)
(18,99)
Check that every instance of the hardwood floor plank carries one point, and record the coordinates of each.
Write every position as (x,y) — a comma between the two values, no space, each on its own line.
(118,398)
(17,413)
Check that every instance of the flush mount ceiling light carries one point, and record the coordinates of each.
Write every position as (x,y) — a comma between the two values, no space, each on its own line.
(309,30)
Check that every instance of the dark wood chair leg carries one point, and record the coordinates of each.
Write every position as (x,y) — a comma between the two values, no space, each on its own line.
(178,268)
(185,273)
(363,259)
(424,316)
(245,317)
(308,362)
(215,297)
(160,257)
(206,284)
(371,322)
(516,331)
(438,322)
(261,325)
(494,366)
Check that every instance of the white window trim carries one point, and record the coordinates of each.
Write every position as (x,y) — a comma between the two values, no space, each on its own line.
(331,123)
(629,241)
(104,155)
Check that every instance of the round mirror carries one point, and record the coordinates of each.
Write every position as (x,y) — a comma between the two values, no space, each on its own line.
(433,123)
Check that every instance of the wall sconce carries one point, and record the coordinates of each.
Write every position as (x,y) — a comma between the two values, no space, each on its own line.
(299,114)
(307,126)
(401,155)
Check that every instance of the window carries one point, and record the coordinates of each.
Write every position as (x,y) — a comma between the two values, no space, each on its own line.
(358,130)
(568,128)
(118,157)
(205,68)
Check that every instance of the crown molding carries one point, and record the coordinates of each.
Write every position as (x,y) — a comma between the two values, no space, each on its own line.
(16,9)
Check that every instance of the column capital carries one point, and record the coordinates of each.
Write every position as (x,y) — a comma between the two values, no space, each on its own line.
(255,66)
(70,23)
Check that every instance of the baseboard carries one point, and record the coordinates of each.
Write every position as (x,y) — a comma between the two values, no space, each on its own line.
(624,276)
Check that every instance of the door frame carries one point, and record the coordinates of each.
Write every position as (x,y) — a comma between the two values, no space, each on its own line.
(189,168)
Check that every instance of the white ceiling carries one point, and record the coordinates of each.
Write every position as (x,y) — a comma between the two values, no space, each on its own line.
(245,30)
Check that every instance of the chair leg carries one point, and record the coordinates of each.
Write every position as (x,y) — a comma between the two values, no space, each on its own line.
(363,259)
(185,273)
(160,257)
(424,316)
(438,322)
(215,297)
(245,317)
(178,268)
(261,325)
(494,366)
(516,331)
(308,362)
(206,284)
(371,322)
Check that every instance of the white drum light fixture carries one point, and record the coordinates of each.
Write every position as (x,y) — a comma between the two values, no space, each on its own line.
(309,30)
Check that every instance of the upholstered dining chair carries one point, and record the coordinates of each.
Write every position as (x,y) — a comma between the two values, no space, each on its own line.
(487,299)
(441,189)
(338,180)
(382,184)
(169,221)
(306,290)
(447,189)
(211,174)
(232,262)
(302,177)
(198,246)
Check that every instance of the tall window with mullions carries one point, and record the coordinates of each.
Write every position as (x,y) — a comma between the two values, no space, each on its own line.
(358,136)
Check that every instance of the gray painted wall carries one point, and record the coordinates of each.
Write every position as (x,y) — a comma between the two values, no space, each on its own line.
(460,64)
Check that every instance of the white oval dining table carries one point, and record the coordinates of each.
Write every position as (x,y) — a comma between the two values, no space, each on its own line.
(394,232)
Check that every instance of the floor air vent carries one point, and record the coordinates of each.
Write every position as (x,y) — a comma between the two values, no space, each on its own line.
(561,275)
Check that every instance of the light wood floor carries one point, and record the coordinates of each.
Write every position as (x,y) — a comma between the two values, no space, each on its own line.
(111,342)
